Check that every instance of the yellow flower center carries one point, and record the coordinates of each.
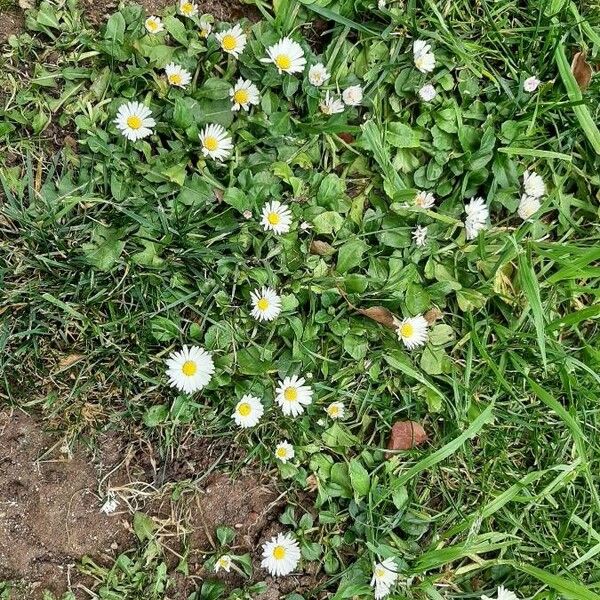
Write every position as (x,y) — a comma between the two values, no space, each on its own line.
(211,143)
(273,218)
(203,33)
(379,573)
(290,394)
(283,61)
(279,552)
(241,96)
(134,122)
(407,330)
(152,25)
(334,410)
(281,452)
(229,42)
(262,304)
(420,61)
(189,368)
(244,409)
(187,8)
(175,79)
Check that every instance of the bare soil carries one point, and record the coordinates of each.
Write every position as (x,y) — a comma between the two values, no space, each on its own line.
(11,22)
(50,501)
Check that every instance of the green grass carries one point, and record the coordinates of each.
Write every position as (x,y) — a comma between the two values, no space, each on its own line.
(120,253)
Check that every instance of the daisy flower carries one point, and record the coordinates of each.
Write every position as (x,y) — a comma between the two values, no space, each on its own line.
(533,184)
(188,8)
(423,57)
(154,25)
(427,93)
(177,75)
(266,304)
(412,331)
(528,206)
(292,395)
(134,120)
(224,563)
(205,28)
(281,555)
(243,94)
(385,575)
(419,235)
(233,41)
(531,84)
(318,75)
(502,594)
(287,55)
(216,142)
(248,412)
(276,217)
(190,369)
(284,451)
(336,410)
(353,95)
(477,215)
(424,200)
(331,105)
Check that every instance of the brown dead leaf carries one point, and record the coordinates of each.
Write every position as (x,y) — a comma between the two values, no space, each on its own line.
(582,70)
(406,435)
(321,248)
(432,315)
(380,314)
(68,361)
(347,137)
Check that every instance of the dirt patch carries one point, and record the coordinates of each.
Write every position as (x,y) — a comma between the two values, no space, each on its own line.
(50,501)
(11,22)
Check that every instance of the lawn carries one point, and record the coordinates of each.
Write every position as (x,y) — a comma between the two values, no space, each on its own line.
(346,249)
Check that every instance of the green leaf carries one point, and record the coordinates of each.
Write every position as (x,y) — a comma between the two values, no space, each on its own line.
(143,526)
(105,248)
(350,255)
(238,199)
(215,111)
(359,478)
(328,222)
(400,135)
(176,29)
(164,329)
(115,29)
(566,587)
(225,535)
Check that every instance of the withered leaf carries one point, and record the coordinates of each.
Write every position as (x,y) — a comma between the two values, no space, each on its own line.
(432,315)
(582,70)
(321,248)
(380,314)
(67,361)
(406,435)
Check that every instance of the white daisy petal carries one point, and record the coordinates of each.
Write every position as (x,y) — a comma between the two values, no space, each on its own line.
(224,562)
(533,184)
(423,57)
(385,575)
(424,200)
(336,410)
(232,41)
(318,75)
(154,25)
(216,142)
(177,76)
(531,84)
(248,411)
(427,93)
(419,235)
(243,94)
(287,55)
(284,451)
(134,121)
(292,395)
(528,206)
(276,217)
(190,369)
(477,216)
(266,304)
(330,105)
(412,331)
(188,8)
(281,555)
(353,95)
(502,594)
